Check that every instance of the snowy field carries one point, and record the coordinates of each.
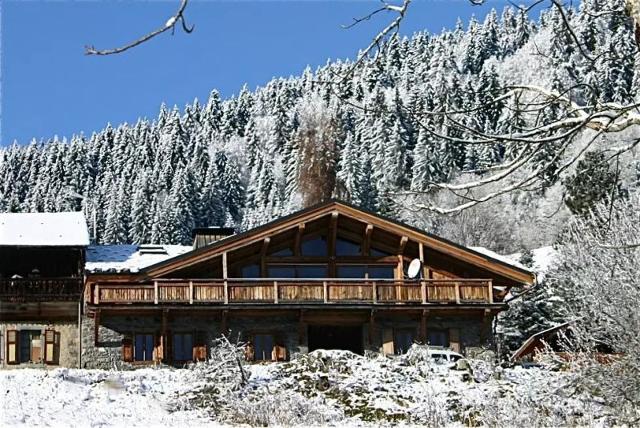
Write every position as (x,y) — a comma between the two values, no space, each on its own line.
(323,388)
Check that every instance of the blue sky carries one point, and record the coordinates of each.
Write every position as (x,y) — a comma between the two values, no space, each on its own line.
(49,87)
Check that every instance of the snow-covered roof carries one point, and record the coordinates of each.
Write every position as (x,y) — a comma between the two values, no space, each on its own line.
(64,229)
(129,258)
(504,259)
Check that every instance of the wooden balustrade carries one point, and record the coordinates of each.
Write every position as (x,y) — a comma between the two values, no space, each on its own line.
(287,291)
(40,289)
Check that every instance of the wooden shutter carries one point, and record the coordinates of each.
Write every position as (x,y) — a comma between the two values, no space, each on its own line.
(279,353)
(199,347)
(12,347)
(454,340)
(158,347)
(387,341)
(127,349)
(51,346)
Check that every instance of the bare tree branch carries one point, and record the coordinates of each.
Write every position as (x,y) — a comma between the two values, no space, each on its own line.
(169,25)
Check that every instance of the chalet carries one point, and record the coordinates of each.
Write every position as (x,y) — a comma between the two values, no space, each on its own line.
(330,276)
(42,258)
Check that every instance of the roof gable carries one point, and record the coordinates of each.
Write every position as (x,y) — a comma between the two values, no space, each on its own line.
(499,267)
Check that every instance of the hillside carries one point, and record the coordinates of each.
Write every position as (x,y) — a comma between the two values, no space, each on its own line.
(267,152)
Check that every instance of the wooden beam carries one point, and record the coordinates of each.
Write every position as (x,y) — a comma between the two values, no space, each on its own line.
(372,326)
(225,277)
(366,240)
(403,243)
(163,335)
(331,243)
(223,324)
(263,257)
(298,241)
(423,326)
(302,329)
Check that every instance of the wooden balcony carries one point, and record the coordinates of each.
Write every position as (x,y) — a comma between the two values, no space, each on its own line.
(294,291)
(40,289)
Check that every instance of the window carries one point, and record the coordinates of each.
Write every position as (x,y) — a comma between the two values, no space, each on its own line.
(143,347)
(263,347)
(379,253)
(301,271)
(182,347)
(364,271)
(351,271)
(402,340)
(285,252)
(250,271)
(344,247)
(438,338)
(314,247)
(30,343)
(381,272)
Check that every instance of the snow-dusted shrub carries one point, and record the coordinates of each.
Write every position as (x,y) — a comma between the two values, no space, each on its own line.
(599,277)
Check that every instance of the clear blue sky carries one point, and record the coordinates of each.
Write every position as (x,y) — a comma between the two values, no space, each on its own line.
(49,87)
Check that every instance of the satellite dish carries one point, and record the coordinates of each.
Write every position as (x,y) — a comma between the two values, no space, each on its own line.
(414,268)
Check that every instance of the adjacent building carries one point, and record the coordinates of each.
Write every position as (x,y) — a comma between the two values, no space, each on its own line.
(42,258)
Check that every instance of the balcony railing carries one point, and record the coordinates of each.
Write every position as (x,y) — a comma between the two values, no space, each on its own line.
(294,291)
(40,289)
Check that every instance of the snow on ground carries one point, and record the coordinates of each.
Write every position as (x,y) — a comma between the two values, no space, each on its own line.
(78,398)
(334,388)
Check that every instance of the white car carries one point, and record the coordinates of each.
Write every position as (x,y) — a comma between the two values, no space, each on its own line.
(444,356)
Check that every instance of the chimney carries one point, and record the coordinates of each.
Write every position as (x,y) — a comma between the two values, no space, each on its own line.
(203,236)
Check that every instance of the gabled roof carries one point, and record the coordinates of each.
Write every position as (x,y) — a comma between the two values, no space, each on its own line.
(500,267)
(529,345)
(64,229)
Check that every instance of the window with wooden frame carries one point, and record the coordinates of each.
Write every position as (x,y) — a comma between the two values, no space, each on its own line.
(266,347)
(143,346)
(30,346)
(200,346)
(182,345)
(377,271)
(12,347)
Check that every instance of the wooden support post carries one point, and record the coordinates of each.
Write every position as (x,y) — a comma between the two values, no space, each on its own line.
(155,292)
(163,335)
(302,330)
(331,243)
(263,257)
(298,240)
(485,329)
(96,327)
(225,277)
(490,286)
(96,295)
(400,268)
(425,269)
(325,291)
(457,292)
(423,291)
(423,326)
(374,292)
(275,292)
(191,292)
(366,240)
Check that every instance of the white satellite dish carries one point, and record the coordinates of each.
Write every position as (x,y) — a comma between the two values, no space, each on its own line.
(414,268)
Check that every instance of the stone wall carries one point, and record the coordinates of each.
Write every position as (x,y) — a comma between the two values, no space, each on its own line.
(68,350)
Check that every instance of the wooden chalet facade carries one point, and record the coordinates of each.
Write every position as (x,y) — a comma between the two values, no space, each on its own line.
(330,276)
(42,258)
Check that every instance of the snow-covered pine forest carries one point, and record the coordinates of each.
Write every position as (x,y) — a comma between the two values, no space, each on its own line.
(264,153)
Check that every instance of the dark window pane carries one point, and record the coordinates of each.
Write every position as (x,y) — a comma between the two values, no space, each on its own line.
(148,352)
(403,339)
(379,253)
(351,271)
(177,347)
(345,247)
(182,347)
(319,271)
(315,247)
(285,252)
(263,346)
(138,351)
(381,272)
(282,272)
(251,271)
(437,338)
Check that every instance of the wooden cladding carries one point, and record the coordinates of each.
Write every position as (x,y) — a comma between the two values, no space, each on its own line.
(295,291)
